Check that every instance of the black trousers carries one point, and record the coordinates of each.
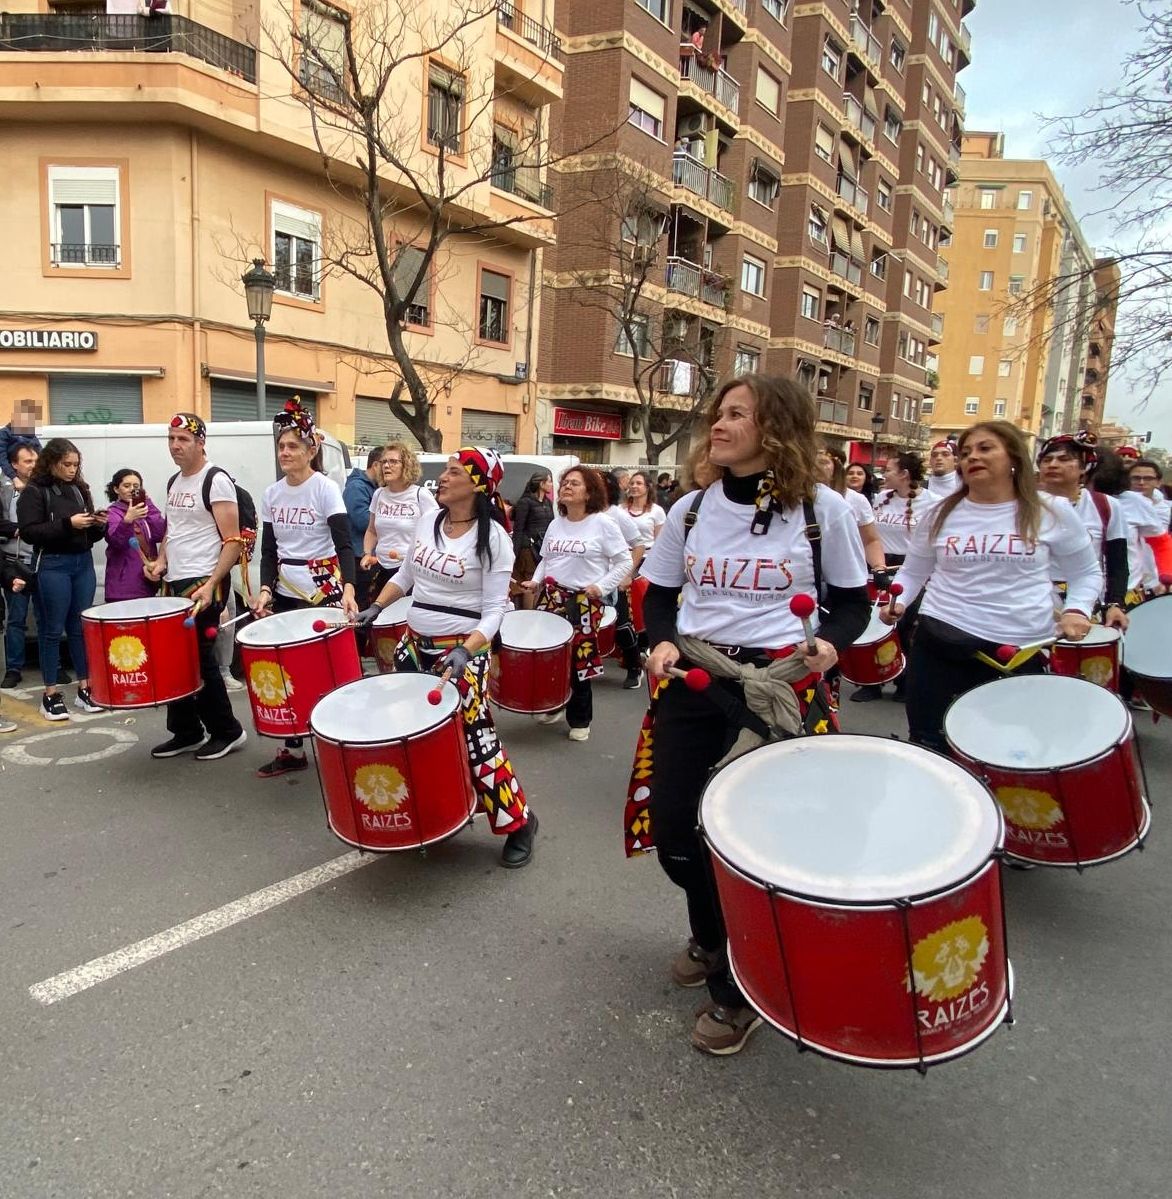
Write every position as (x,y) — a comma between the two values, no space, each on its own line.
(691,736)
(580,709)
(940,671)
(209,708)
(625,636)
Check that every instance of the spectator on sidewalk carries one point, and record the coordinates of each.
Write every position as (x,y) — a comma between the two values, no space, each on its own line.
(16,562)
(20,431)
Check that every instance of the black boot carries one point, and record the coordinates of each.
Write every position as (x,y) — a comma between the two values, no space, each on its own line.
(633,679)
(864,695)
(519,844)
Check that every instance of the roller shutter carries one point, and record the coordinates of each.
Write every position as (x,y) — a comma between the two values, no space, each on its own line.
(375,424)
(95,399)
(493,429)
(236,400)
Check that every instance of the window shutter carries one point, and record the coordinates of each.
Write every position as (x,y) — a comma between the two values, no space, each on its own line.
(494,285)
(376,424)
(236,400)
(95,399)
(650,102)
(74,189)
(846,160)
(824,139)
(296,222)
(406,268)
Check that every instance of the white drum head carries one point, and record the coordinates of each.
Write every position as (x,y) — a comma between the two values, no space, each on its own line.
(609,617)
(898,821)
(1099,635)
(875,631)
(535,630)
(1036,722)
(288,628)
(394,613)
(381,708)
(1147,644)
(137,609)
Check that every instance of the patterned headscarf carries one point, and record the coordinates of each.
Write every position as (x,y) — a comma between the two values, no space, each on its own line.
(486,471)
(1082,442)
(190,422)
(296,418)
(1128,451)
(946,444)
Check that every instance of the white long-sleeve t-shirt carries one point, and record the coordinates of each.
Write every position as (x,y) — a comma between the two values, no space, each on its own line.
(584,553)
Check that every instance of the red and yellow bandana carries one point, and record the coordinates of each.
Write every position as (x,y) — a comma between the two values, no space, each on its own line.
(484,468)
(293,416)
(190,422)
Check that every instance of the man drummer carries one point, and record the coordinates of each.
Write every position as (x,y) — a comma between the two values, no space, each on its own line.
(202,545)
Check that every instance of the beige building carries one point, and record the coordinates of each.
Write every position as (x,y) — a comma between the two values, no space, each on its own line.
(148,160)
(1014,232)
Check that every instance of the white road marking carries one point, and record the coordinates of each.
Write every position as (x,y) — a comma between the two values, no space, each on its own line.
(100,970)
(17,753)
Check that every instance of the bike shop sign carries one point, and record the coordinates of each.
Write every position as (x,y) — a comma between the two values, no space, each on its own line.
(77,340)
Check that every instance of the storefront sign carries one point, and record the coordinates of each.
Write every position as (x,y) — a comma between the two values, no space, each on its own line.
(574,422)
(48,339)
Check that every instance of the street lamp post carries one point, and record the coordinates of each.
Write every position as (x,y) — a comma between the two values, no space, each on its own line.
(876,427)
(258,295)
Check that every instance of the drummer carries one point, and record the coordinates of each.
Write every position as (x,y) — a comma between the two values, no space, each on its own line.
(1145,529)
(1064,462)
(395,509)
(984,561)
(458,573)
(943,479)
(761,530)
(1145,477)
(584,558)
(306,551)
(626,638)
(832,471)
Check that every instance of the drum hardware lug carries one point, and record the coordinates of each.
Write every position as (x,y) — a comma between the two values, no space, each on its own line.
(903,907)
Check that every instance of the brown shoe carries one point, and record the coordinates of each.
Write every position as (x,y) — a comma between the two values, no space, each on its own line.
(724,1030)
(693,965)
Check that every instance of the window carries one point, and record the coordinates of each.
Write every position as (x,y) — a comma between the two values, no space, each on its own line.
(1016,284)
(927,406)
(892,124)
(647,109)
(879,264)
(494,307)
(908,277)
(915,225)
(1004,368)
(986,283)
(972,406)
(776,9)
(1009,328)
(763,186)
(990,239)
(817,225)
(920,157)
(1025,200)
(747,361)
(831,58)
(977,364)
(445,108)
(1019,243)
(898,54)
(406,271)
(895,398)
(657,8)
(988,199)
(639,339)
(866,399)
(933,26)
(753,275)
(642,227)
(321,68)
(85,216)
(768,92)
(824,142)
(297,251)
(871,331)
(811,303)
(981,323)
(883,195)
(999,407)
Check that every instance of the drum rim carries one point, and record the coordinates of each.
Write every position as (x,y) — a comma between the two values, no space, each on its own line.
(1128,731)
(1116,639)
(1132,615)
(1138,844)
(399,606)
(93,613)
(528,614)
(439,721)
(997,849)
(246,635)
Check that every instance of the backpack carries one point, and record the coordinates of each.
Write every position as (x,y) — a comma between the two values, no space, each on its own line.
(1103,508)
(244,501)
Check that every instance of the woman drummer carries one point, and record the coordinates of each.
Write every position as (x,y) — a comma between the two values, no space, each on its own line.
(458,573)
(395,509)
(584,558)
(985,561)
(761,530)
(832,470)
(306,551)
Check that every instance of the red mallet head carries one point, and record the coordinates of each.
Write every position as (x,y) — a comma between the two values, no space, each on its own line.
(895,589)
(211,632)
(1166,580)
(319,626)
(697,679)
(802,606)
(435,695)
(1005,653)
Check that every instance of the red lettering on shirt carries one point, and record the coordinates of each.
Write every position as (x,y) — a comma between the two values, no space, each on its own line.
(437,562)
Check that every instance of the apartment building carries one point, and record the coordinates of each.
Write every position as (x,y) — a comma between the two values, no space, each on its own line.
(1003,357)
(148,160)
(1100,344)
(798,157)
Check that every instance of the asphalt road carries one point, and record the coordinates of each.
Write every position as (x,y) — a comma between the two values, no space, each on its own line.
(438,1026)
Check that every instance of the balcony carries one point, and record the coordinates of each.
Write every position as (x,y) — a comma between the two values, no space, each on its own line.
(523,181)
(942,271)
(834,412)
(964,46)
(937,325)
(959,96)
(714,289)
(529,61)
(846,268)
(677,377)
(852,193)
(121,32)
(684,276)
(83,254)
(949,214)
(742,6)
(865,41)
(542,36)
(858,118)
(841,341)
(703,181)
(718,84)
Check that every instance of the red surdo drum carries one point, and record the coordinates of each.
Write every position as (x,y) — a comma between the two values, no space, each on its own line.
(865,920)
(139,652)
(531,671)
(606,632)
(1147,651)
(639,587)
(387,631)
(288,667)
(876,657)
(1060,756)
(393,767)
(1095,658)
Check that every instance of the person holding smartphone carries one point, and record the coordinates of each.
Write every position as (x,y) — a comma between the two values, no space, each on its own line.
(132,513)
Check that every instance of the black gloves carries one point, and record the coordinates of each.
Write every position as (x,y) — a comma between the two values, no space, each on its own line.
(367,616)
(455,660)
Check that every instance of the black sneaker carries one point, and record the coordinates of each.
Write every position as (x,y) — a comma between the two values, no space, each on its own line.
(85,702)
(283,763)
(64,677)
(864,695)
(634,679)
(519,844)
(177,746)
(220,747)
(53,707)
(12,678)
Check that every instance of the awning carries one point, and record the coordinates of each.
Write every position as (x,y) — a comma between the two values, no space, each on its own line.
(821,212)
(311,385)
(869,101)
(846,159)
(841,233)
(856,244)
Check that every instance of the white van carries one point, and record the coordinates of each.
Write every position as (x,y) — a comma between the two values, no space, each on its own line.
(519,469)
(245,449)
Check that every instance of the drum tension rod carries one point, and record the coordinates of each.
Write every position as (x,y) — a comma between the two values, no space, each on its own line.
(903,907)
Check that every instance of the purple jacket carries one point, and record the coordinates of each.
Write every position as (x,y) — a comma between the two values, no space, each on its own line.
(124,577)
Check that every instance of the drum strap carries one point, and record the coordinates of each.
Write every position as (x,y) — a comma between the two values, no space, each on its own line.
(446,610)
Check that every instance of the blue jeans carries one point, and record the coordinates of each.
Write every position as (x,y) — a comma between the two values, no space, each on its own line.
(14,631)
(65,588)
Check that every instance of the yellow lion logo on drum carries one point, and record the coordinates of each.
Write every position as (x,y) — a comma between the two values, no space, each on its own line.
(1028,808)
(126,653)
(380,788)
(1099,669)
(946,963)
(270,684)
(886,653)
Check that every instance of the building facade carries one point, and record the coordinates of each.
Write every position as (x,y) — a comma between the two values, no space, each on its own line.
(1100,345)
(148,160)
(793,162)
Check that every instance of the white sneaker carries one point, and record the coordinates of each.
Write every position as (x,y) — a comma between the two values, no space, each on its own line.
(84,702)
(580,734)
(231,683)
(8,726)
(548,717)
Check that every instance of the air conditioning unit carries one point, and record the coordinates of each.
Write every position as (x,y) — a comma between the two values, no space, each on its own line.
(693,124)
(633,426)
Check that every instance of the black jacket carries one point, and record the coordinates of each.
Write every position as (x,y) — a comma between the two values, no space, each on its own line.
(43,513)
(531,517)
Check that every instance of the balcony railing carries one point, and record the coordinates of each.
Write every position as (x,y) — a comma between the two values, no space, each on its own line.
(120,32)
(682,275)
(949,214)
(536,34)
(691,173)
(82,254)
(714,288)
(852,193)
(966,41)
(842,341)
(676,377)
(728,90)
(742,6)
(954,154)
(719,84)
(522,181)
(833,411)
(959,95)
(865,41)
(846,268)
(942,269)
(858,117)
(938,324)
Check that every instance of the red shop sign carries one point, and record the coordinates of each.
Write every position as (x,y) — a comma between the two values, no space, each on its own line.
(574,422)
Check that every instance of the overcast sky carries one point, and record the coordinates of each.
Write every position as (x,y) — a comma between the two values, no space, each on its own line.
(1053,57)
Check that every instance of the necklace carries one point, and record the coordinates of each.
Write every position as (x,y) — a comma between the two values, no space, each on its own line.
(451,524)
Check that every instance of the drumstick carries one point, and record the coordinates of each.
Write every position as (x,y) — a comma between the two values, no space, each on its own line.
(802,606)
(694,679)
(212,630)
(437,692)
(320,626)
(135,544)
(189,623)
